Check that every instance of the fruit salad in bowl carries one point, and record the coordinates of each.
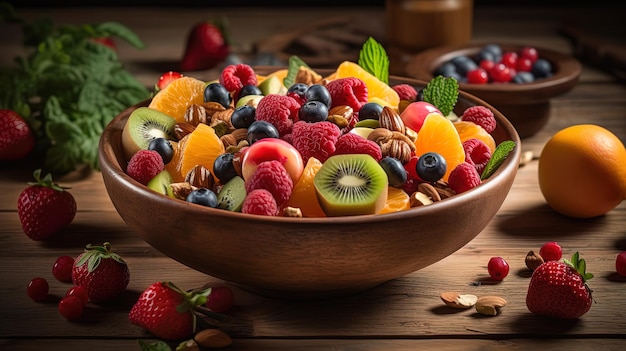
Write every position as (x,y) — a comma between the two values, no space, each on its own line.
(300,183)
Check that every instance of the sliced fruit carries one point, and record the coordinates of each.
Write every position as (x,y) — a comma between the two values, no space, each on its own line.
(144,125)
(438,134)
(351,184)
(378,91)
(303,195)
(200,147)
(268,149)
(251,100)
(177,96)
(161,183)
(232,195)
(468,130)
(397,200)
(272,85)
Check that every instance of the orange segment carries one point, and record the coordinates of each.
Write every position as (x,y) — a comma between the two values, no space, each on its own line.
(303,195)
(178,96)
(280,74)
(377,90)
(397,200)
(439,135)
(468,130)
(200,147)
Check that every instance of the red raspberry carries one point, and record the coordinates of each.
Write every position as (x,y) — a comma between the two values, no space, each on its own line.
(279,110)
(260,202)
(405,91)
(315,139)
(234,77)
(145,165)
(477,153)
(351,143)
(273,177)
(463,178)
(480,115)
(348,91)
(299,98)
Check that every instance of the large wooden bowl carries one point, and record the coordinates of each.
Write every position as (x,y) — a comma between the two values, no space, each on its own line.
(527,106)
(305,257)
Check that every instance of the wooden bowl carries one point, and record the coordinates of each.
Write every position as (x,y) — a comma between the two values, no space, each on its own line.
(527,106)
(304,258)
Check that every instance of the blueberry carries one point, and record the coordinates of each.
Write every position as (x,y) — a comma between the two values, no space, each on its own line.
(542,68)
(431,167)
(318,92)
(464,64)
(298,88)
(202,196)
(523,77)
(447,69)
(370,110)
(420,95)
(261,129)
(223,167)
(495,49)
(216,92)
(163,147)
(313,111)
(396,173)
(249,90)
(243,116)
(485,55)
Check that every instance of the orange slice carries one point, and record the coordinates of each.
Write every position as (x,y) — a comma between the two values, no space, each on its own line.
(303,195)
(200,147)
(178,96)
(468,130)
(397,200)
(439,135)
(377,90)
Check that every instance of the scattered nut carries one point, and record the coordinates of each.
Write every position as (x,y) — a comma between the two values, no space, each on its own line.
(292,212)
(212,339)
(533,260)
(200,177)
(419,199)
(456,300)
(490,305)
(188,345)
(182,129)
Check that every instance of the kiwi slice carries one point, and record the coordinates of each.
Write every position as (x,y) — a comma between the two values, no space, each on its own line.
(161,183)
(232,194)
(351,184)
(143,125)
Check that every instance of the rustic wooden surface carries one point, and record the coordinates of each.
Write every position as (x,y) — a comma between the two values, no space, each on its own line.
(404,314)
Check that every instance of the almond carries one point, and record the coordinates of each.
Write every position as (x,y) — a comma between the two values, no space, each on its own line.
(456,300)
(490,305)
(212,339)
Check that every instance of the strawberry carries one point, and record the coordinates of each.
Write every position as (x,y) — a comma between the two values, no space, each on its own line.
(103,273)
(165,79)
(16,137)
(166,311)
(207,46)
(45,207)
(557,289)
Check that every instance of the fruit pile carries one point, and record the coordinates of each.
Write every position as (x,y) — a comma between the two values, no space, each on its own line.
(296,143)
(493,65)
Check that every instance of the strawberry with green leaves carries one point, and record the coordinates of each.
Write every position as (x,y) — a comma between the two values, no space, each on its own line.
(103,273)
(166,311)
(16,137)
(45,207)
(207,46)
(558,289)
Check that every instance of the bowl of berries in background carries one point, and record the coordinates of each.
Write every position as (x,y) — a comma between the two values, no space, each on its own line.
(256,199)
(518,80)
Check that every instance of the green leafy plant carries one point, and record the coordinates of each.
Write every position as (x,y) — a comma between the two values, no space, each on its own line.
(373,58)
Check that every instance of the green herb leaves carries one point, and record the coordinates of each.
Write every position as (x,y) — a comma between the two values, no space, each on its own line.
(442,92)
(499,155)
(373,58)
(292,71)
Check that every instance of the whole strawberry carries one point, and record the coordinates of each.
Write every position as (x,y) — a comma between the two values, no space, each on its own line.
(16,137)
(45,207)
(103,273)
(207,46)
(557,289)
(166,311)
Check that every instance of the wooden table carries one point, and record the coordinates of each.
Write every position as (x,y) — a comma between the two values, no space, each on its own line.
(404,314)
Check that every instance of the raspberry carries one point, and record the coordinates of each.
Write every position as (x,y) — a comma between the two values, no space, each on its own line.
(351,143)
(348,91)
(145,165)
(273,177)
(463,178)
(315,139)
(482,116)
(477,153)
(299,98)
(260,202)
(405,91)
(235,76)
(279,110)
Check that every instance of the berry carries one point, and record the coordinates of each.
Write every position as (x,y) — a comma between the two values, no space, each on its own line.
(145,165)
(216,92)
(500,73)
(16,137)
(523,77)
(313,111)
(529,53)
(351,143)
(103,273)
(498,268)
(315,139)
(273,177)
(79,292)
(62,269)
(163,147)
(620,264)
(405,91)
(411,168)
(166,78)
(478,76)
(551,251)
(38,289)
(348,91)
(482,116)
(235,77)
(71,307)
(318,92)
(396,174)
(243,116)
(541,68)
(206,46)
(220,299)
(463,178)
(45,207)
(431,167)
(509,59)
(370,110)
(464,64)
(260,202)
(202,196)
(223,167)
(279,110)
(249,90)
(260,130)
(524,64)
(477,153)
(298,89)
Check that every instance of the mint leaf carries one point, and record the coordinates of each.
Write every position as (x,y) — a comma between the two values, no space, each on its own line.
(118,30)
(154,346)
(442,92)
(499,155)
(373,58)
(292,71)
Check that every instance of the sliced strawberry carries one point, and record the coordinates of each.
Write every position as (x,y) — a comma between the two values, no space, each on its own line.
(166,78)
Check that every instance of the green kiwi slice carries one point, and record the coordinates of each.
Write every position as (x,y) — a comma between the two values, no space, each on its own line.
(232,194)
(161,183)
(143,125)
(352,184)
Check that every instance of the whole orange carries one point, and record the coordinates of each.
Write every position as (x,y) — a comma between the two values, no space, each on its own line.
(582,171)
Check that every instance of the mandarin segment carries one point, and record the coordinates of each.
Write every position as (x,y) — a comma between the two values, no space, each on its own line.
(303,195)
(439,135)
(201,147)
(470,130)
(378,91)
(397,200)
(178,96)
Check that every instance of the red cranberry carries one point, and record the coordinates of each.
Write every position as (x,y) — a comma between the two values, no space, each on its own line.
(551,251)
(620,264)
(529,52)
(509,58)
(524,64)
(38,289)
(62,269)
(477,76)
(498,268)
(71,307)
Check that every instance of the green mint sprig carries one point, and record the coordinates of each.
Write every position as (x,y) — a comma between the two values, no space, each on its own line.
(292,70)
(499,155)
(373,59)
(442,92)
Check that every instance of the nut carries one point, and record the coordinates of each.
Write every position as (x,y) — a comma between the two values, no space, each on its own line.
(429,191)
(222,116)
(212,339)
(533,260)
(490,305)
(338,120)
(344,111)
(456,300)
(188,345)
(233,138)
(390,119)
(200,177)
(183,129)
(443,189)
(292,212)
(196,114)
(307,76)
(419,199)
(393,143)
(181,190)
